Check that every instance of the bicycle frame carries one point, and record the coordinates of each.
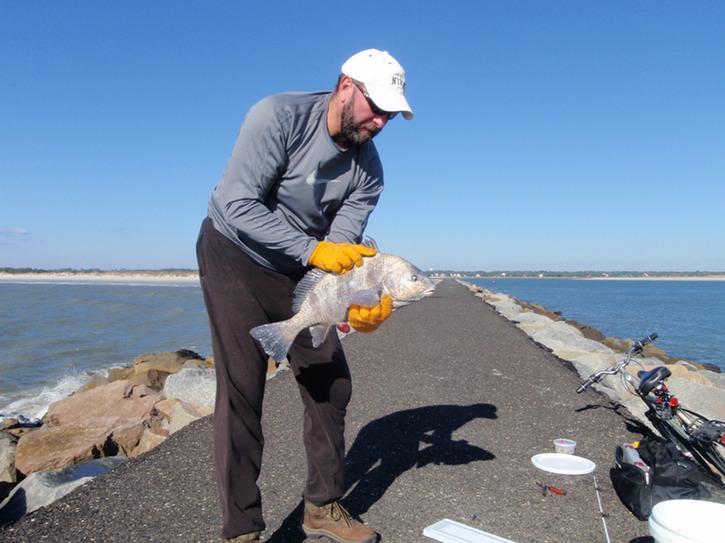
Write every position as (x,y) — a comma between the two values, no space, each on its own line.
(694,435)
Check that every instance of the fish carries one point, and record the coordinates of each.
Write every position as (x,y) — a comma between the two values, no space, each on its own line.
(322,299)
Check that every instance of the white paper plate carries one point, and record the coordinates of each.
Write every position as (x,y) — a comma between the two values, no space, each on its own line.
(565,464)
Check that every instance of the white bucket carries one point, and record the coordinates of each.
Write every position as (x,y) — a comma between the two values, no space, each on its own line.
(687,521)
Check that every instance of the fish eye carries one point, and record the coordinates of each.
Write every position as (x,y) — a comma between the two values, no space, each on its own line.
(414,278)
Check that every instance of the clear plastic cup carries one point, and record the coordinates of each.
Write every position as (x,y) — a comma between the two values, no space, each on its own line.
(564,446)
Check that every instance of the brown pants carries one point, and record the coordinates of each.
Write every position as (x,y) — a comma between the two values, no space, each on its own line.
(240,294)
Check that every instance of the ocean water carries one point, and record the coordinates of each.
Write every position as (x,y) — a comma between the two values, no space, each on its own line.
(689,316)
(53,335)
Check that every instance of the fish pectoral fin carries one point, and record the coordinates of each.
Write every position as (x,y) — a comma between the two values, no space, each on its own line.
(365,298)
(319,333)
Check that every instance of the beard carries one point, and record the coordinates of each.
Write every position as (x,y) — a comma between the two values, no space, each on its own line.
(352,132)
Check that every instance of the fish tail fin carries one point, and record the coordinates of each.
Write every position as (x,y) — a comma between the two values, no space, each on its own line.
(276,339)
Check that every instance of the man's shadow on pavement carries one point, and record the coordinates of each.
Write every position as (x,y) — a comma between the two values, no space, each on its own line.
(387,447)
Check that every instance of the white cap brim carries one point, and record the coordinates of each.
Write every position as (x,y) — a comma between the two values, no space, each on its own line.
(390,100)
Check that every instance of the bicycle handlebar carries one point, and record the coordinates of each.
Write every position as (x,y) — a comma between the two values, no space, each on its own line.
(635,349)
(594,378)
(639,345)
(585,385)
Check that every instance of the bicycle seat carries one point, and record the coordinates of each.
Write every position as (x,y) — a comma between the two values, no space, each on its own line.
(650,379)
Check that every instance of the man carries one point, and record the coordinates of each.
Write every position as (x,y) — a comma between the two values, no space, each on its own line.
(300,184)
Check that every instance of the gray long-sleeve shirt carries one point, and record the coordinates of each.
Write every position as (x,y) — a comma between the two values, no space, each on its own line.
(287,185)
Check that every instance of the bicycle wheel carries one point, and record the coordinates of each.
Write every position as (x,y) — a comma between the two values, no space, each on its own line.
(710,455)
(707,436)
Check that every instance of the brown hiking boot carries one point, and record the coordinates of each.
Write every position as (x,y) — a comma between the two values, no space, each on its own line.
(335,523)
(245,538)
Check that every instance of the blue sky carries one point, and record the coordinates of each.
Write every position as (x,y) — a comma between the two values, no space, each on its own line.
(556,135)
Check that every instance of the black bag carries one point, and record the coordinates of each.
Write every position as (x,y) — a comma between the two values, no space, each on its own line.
(671,476)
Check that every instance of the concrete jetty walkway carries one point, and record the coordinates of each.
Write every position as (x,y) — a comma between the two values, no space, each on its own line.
(450,402)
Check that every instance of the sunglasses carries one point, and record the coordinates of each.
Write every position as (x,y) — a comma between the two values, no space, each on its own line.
(375,109)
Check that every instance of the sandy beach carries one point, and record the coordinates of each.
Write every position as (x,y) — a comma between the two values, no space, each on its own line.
(110,277)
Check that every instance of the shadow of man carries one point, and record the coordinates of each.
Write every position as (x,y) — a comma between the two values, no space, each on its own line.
(387,447)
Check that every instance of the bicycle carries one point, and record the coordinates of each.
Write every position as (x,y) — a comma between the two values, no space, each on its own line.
(695,435)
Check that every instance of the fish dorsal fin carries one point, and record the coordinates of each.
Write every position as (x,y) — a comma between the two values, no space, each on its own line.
(306,284)
(370,242)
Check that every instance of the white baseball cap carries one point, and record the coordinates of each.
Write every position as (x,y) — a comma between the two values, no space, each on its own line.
(383,77)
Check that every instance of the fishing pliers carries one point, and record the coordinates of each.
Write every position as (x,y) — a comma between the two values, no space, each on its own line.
(545,488)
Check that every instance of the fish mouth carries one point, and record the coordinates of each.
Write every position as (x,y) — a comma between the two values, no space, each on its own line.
(425,294)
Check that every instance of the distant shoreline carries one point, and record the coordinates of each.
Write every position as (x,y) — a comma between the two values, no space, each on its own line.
(192,277)
(660,278)
(110,277)
(597,278)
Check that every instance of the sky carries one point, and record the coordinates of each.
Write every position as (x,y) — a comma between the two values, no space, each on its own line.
(548,135)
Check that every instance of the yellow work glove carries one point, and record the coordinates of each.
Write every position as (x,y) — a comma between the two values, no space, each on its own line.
(368,319)
(339,257)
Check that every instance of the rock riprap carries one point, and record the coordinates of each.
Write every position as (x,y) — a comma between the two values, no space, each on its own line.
(589,351)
